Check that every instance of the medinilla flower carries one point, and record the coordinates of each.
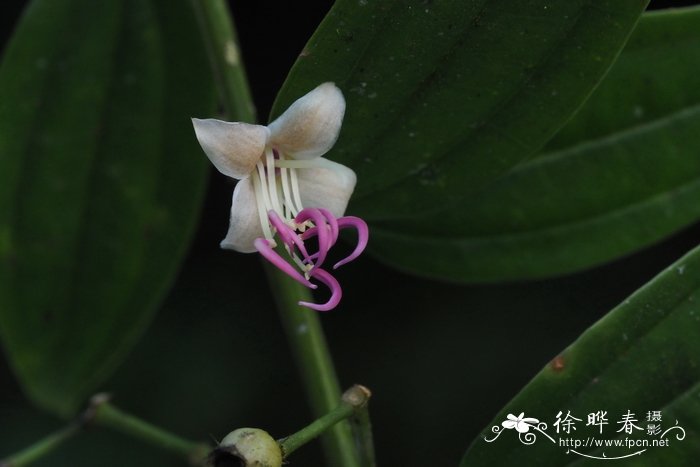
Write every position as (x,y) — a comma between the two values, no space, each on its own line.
(521,423)
(286,189)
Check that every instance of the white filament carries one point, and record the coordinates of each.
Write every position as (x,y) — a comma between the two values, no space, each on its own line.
(262,211)
(279,191)
(272,180)
(290,209)
(305,164)
(295,189)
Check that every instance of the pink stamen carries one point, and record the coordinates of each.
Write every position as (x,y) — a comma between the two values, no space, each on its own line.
(336,292)
(344,222)
(332,223)
(326,227)
(322,231)
(264,248)
(287,234)
(362,237)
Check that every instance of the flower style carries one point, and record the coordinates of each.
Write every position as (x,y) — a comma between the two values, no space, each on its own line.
(286,188)
(521,425)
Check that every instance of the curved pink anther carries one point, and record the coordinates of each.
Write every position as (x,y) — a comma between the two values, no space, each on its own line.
(286,233)
(322,231)
(307,234)
(362,237)
(313,231)
(264,248)
(332,223)
(336,292)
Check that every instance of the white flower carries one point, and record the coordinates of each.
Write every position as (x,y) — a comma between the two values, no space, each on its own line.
(521,423)
(279,166)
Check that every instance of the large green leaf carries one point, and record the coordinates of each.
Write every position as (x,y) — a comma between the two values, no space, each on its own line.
(100,183)
(622,175)
(444,96)
(643,356)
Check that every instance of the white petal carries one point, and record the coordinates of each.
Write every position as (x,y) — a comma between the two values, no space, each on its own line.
(329,188)
(521,427)
(508,424)
(310,126)
(244,226)
(234,148)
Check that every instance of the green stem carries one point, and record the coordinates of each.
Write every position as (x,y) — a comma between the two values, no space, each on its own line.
(313,358)
(222,44)
(41,448)
(302,325)
(106,415)
(101,413)
(315,429)
(353,402)
(365,440)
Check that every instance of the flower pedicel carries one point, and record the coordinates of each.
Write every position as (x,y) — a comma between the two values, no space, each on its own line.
(286,189)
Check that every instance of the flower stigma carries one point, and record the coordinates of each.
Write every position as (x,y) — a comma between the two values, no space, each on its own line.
(287,194)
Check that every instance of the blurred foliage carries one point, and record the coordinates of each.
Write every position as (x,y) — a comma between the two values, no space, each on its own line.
(439,358)
(99,189)
(444,97)
(622,174)
(641,357)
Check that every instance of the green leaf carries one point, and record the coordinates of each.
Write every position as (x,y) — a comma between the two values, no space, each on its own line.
(620,176)
(100,183)
(445,96)
(643,356)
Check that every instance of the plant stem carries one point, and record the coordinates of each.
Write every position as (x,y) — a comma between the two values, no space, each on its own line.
(315,429)
(101,413)
(314,362)
(302,325)
(365,440)
(358,397)
(105,415)
(41,447)
(224,54)
(353,402)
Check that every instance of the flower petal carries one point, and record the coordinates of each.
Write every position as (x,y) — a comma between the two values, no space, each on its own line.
(328,187)
(310,126)
(521,427)
(508,424)
(234,148)
(244,226)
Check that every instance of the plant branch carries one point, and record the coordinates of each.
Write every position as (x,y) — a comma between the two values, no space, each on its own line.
(365,440)
(103,414)
(221,40)
(310,350)
(301,324)
(42,447)
(353,402)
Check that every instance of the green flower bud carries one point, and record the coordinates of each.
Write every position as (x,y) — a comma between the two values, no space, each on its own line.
(247,447)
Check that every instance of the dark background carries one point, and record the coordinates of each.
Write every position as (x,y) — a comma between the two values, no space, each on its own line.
(440,359)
